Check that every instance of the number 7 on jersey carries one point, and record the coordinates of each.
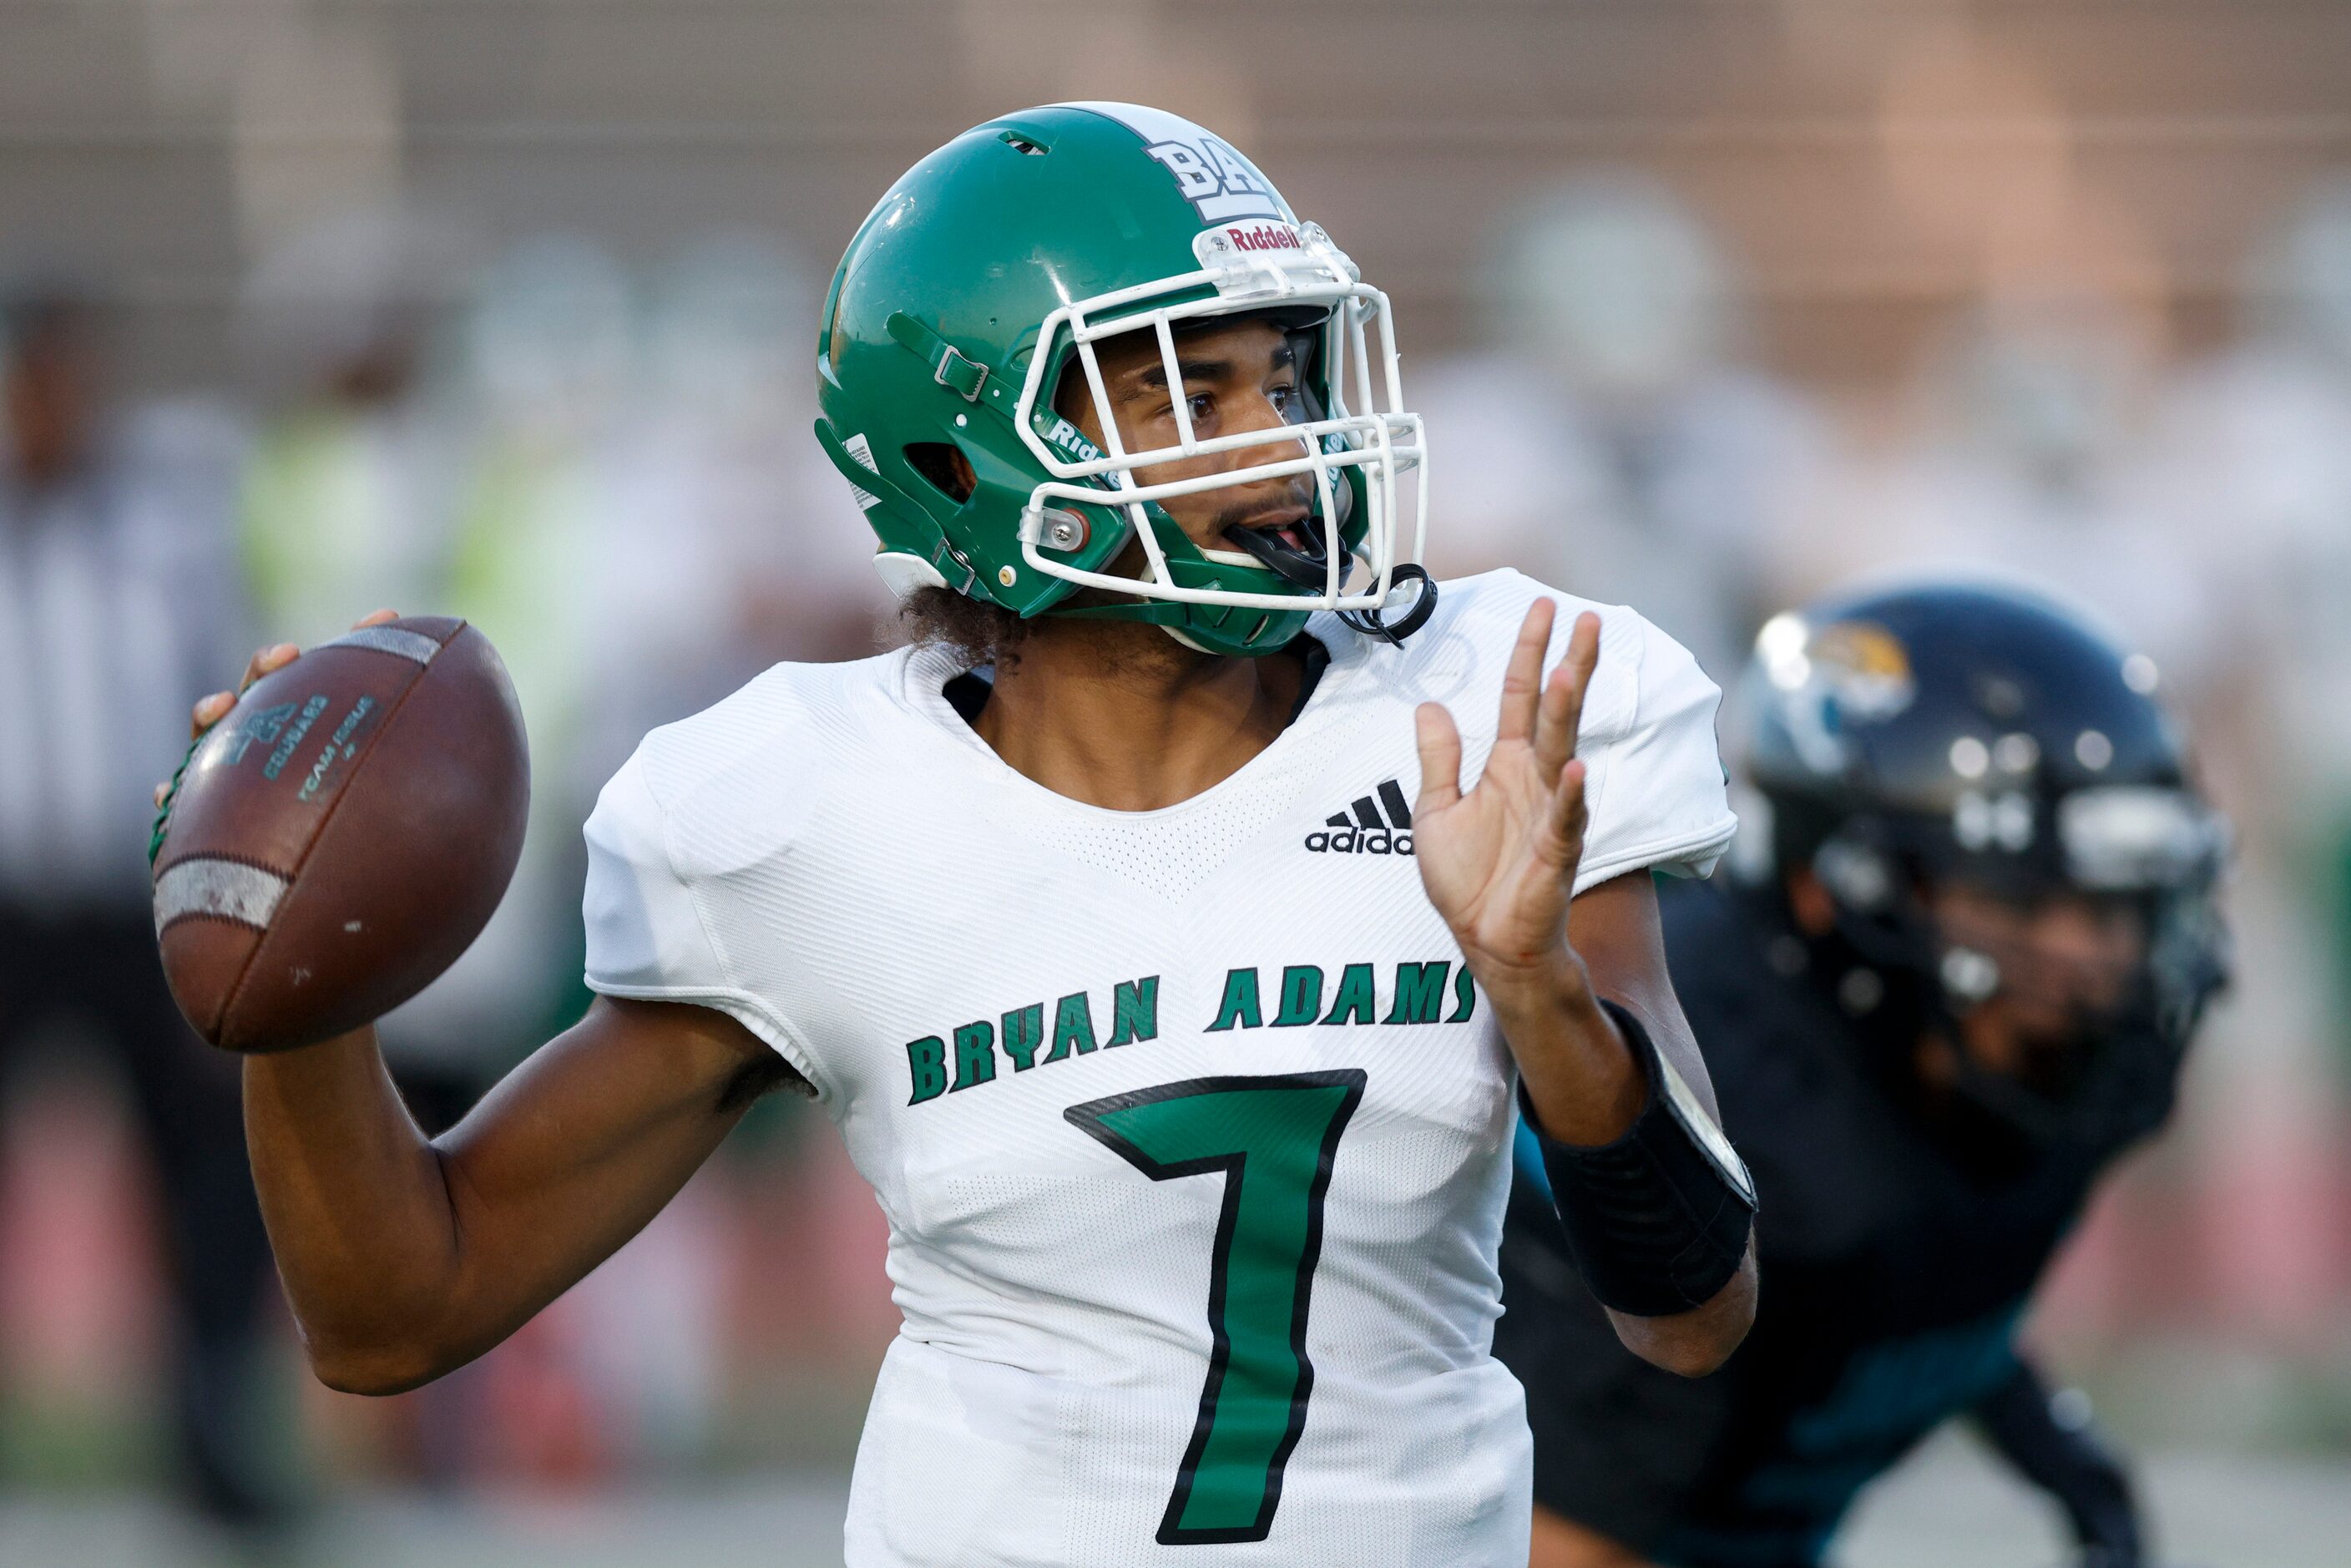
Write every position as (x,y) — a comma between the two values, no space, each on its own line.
(1272,1139)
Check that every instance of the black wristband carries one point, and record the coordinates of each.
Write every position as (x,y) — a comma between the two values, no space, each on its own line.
(1658,1220)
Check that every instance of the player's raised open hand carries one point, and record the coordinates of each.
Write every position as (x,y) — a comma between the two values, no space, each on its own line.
(1499,863)
(1500,860)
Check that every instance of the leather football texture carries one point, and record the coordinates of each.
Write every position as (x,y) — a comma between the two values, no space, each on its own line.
(337,839)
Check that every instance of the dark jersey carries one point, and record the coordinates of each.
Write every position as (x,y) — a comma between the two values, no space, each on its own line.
(1896,1256)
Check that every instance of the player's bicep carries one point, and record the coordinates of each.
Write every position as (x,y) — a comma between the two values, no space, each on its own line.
(621,1085)
(573,1152)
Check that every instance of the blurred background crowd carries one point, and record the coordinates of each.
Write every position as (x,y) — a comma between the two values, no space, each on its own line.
(504,308)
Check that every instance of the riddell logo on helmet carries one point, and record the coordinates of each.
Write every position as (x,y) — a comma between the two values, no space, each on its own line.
(1361,830)
(1071,441)
(1264,236)
(1248,259)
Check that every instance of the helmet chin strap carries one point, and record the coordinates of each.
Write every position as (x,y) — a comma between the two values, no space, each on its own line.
(1307,568)
(1394,633)
(1311,568)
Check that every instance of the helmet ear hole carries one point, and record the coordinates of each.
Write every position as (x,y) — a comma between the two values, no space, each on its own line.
(946,468)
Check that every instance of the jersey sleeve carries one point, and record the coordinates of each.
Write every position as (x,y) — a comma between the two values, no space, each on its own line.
(647,938)
(1659,798)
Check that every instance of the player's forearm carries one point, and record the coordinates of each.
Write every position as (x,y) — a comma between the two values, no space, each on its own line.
(403,1258)
(1580,1076)
(358,1210)
(1581,1083)
(1660,1223)
(1697,1341)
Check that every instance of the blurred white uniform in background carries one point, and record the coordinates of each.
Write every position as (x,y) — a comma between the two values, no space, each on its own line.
(724,457)
(2257,474)
(543,371)
(1607,437)
(347,494)
(643,524)
(2028,457)
(617,486)
(2260,478)
(118,602)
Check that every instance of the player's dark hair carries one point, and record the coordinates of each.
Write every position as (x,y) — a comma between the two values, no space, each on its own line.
(974,630)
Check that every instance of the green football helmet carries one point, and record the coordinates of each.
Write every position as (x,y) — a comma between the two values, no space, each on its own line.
(986,277)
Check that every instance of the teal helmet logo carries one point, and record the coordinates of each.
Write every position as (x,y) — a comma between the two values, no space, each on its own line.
(981,286)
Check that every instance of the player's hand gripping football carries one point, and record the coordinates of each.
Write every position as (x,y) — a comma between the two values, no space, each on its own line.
(1499,862)
(214,706)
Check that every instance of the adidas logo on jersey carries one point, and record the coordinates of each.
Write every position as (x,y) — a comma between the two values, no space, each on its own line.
(1360,830)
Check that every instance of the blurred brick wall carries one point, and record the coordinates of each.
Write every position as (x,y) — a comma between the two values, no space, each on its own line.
(1874,160)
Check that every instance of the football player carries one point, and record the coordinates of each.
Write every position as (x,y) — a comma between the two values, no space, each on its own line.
(1139,927)
(1963,988)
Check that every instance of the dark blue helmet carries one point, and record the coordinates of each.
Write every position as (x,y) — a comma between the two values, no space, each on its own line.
(1913,737)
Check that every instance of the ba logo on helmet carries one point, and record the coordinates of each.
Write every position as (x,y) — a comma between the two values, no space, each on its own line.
(1218,181)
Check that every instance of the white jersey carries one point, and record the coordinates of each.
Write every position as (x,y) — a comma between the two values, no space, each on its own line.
(1192,1131)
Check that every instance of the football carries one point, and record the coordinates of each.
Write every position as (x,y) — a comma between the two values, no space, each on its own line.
(342,835)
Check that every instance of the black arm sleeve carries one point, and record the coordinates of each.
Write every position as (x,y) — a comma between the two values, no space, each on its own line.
(2067,1459)
(1658,1220)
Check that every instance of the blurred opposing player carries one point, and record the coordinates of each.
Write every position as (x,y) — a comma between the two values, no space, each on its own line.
(1133,927)
(1965,986)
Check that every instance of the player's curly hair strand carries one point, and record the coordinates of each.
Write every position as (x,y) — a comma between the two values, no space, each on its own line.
(974,630)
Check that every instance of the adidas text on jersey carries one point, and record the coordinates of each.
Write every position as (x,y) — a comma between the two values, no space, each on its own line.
(1361,830)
